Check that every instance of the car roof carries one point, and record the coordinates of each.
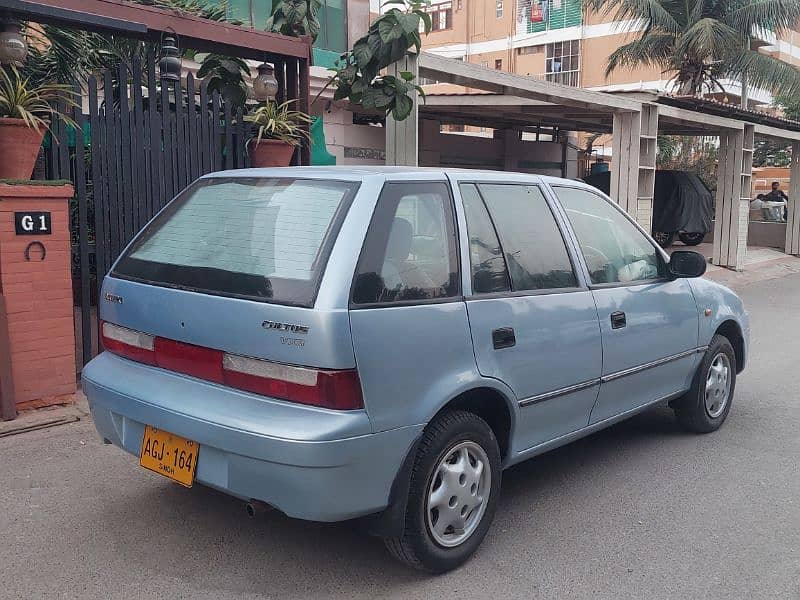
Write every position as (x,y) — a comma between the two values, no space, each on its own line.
(355,172)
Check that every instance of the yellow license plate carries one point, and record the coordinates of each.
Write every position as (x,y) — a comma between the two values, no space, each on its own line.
(169,454)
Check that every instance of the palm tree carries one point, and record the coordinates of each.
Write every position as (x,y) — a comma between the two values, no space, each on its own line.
(701,42)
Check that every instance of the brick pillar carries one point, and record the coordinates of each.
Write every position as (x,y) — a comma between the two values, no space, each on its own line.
(36,288)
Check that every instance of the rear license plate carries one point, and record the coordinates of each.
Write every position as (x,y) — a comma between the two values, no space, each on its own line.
(169,454)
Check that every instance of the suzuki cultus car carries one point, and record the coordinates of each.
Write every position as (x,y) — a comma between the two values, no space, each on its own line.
(381,344)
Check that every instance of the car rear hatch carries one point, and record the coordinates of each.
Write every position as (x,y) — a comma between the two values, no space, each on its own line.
(221,286)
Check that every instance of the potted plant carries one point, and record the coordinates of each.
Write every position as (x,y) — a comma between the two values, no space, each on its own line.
(24,112)
(280,131)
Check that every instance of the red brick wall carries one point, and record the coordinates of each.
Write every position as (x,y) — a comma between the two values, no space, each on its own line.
(38,296)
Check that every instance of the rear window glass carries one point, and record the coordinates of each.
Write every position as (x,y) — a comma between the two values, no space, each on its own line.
(267,239)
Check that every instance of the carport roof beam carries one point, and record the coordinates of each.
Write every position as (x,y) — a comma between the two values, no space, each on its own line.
(457,72)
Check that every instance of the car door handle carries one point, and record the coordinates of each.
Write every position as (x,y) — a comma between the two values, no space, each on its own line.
(503,338)
(618,320)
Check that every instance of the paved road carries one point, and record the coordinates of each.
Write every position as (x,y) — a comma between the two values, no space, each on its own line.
(640,511)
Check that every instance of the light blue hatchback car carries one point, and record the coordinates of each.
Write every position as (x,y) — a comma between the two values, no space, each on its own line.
(346,343)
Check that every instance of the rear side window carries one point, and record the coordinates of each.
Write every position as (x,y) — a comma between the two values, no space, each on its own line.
(267,239)
(410,250)
(489,272)
(535,251)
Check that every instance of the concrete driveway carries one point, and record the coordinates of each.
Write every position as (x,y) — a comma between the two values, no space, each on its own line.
(642,510)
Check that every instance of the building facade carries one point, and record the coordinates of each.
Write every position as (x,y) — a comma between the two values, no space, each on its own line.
(564,42)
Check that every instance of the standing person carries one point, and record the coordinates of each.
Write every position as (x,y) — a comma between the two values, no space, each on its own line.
(777,194)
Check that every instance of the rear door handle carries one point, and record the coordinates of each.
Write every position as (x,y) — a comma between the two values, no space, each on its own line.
(503,338)
(618,320)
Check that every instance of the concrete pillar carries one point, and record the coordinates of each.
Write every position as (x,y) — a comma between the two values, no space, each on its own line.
(633,162)
(732,216)
(793,215)
(36,312)
(402,137)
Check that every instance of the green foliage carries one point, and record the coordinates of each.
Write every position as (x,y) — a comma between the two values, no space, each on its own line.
(694,154)
(790,105)
(226,75)
(390,38)
(21,98)
(702,42)
(295,18)
(278,122)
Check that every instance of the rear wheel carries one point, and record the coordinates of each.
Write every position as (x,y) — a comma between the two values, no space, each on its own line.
(691,239)
(706,405)
(664,238)
(453,495)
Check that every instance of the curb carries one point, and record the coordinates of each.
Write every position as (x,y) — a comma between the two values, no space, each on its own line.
(44,418)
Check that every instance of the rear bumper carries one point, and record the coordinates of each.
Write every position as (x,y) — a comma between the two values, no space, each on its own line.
(309,463)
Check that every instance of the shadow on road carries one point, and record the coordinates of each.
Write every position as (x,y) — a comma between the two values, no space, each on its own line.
(167,531)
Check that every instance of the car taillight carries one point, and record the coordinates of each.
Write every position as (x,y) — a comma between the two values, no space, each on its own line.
(330,389)
(336,389)
(129,343)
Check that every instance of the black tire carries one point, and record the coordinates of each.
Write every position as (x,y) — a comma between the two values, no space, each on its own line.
(691,239)
(691,409)
(664,238)
(416,546)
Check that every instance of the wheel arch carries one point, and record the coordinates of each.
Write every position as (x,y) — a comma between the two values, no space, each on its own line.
(487,400)
(731,330)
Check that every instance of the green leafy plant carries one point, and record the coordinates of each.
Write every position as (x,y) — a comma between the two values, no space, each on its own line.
(390,38)
(277,121)
(295,18)
(225,74)
(33,103)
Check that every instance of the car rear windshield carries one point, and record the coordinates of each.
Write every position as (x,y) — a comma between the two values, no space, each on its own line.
(265,239)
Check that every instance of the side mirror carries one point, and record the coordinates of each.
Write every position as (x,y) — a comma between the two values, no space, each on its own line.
(686,263)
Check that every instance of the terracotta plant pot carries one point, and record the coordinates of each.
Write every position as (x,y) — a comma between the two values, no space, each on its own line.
(19,147)
(270,153)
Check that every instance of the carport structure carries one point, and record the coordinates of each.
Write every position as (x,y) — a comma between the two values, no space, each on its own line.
(517,102)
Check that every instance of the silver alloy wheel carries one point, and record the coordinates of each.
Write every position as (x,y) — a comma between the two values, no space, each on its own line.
(718,385)
(458,493)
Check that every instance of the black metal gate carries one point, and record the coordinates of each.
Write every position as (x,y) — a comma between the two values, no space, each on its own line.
(142,141)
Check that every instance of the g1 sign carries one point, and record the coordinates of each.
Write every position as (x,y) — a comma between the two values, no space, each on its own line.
(32,223)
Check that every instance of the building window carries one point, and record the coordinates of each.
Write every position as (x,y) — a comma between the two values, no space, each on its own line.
(459,5)
(441,16)
(534,16)
(530,50)
(485,64)
(498,64)
(563,62)
(498,9)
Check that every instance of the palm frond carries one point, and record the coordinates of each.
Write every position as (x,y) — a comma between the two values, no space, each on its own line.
(653,49)
(770,15)
(653,12)
(707,38)
(765,72)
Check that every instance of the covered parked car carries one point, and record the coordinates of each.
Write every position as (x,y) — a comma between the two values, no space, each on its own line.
(682,205)
(381,344)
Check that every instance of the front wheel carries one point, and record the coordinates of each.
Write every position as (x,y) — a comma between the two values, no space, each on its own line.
(453,494)
(691,239)
(706,405)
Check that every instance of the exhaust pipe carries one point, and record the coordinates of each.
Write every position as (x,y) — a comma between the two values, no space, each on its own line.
(256,507)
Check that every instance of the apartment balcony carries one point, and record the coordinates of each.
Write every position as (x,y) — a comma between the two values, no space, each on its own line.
(535,16)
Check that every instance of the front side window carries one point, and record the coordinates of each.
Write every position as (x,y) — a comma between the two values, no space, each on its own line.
(615,251)
(489,272)
(534,249)
(263,238)
(410,250)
